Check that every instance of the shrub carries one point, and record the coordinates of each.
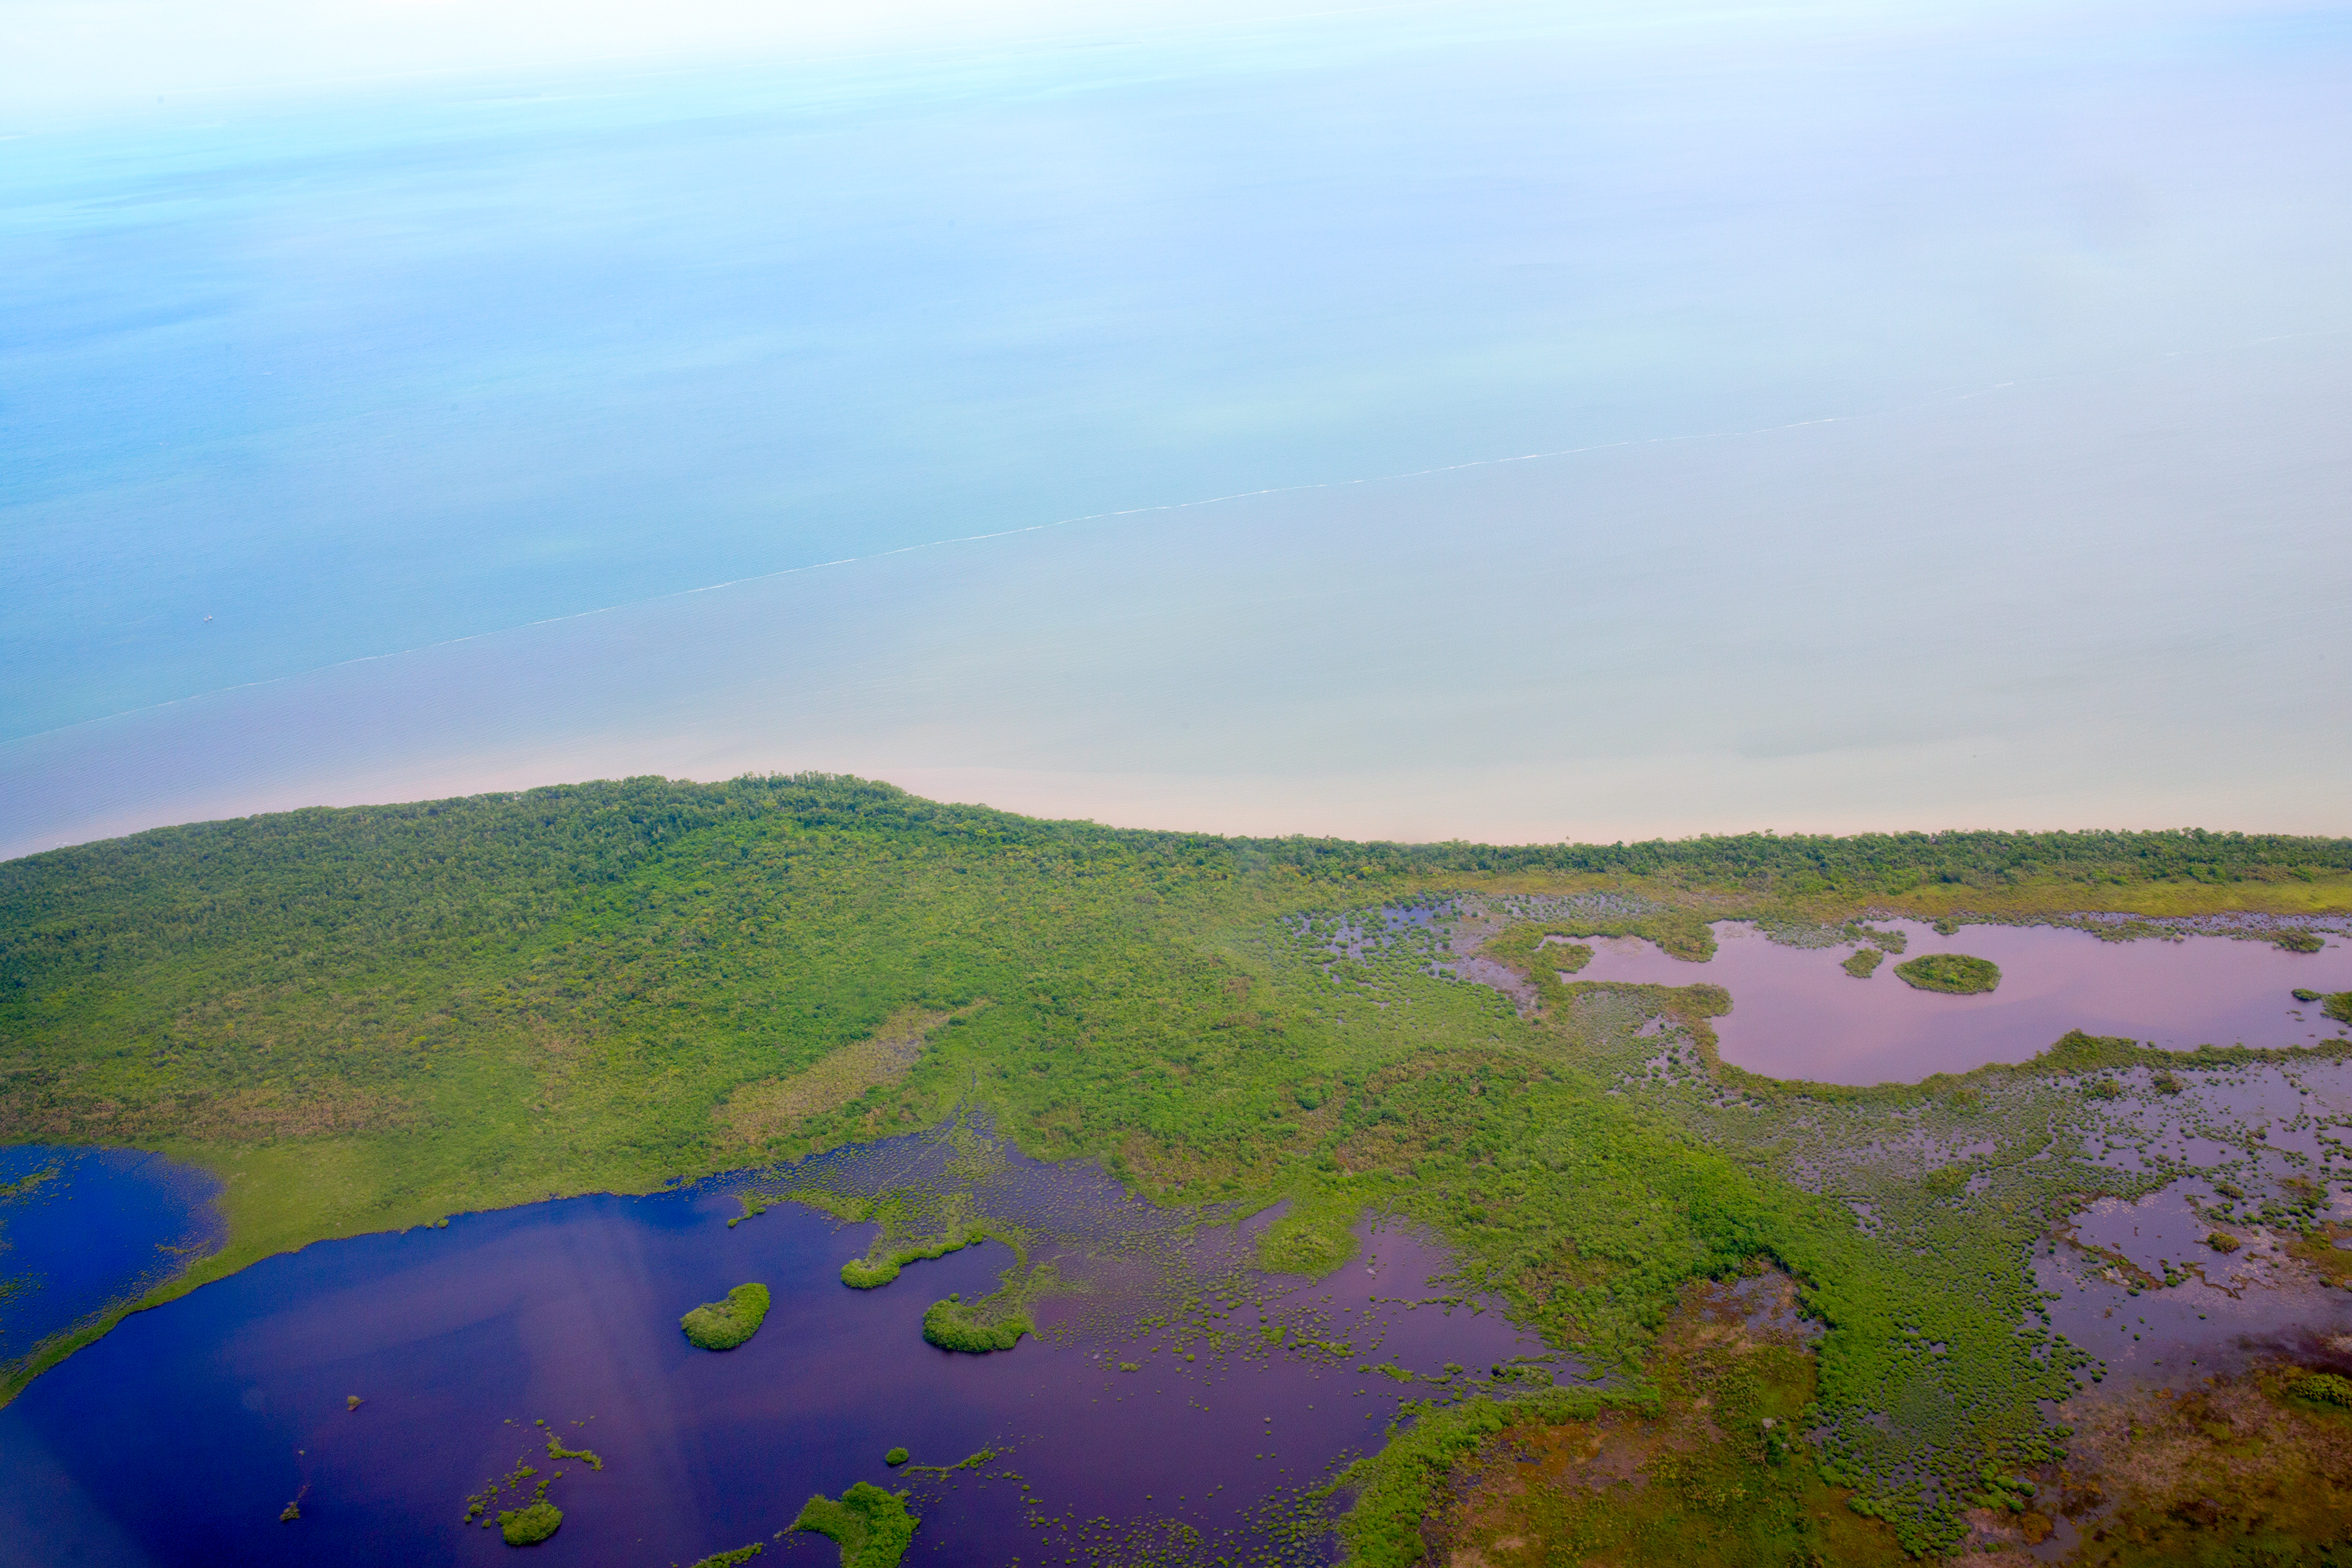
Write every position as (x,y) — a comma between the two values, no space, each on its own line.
(952,1326)
(723,1325)
(894,1457)
(1954,973)
(530,1525)
(2327,1388)
(2222,1241)
(1864,963)
(872,1526)
(729,1559)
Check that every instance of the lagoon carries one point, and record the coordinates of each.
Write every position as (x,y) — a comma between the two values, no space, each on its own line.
(83,1228)
(1797,1014)
(184,1435)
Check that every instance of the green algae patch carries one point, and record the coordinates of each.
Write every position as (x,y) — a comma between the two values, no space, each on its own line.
(529,1525)
(723,1325)
(1864,963)
(896,1458)
(871,1526)
(954,1325)
(1956,974)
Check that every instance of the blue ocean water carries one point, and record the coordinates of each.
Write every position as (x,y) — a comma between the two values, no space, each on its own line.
(291,383)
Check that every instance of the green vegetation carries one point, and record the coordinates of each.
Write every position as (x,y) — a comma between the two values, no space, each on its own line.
(729,1559)
(2338,1006)
(953,1326)
(2242,1472)
(2300,941)
(556,1450)
(1717,1452)
(1952,972)
(374,1018)
(896,1458)
(972,1461)
(1862,962)
(723,1325)
(868,1273)
(871,1526)
(2323,1388)
(530,1524)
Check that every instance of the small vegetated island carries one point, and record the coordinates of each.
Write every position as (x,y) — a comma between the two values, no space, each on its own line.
(871,1526)
(725,1325)
(529,1524)
(339,1010)
(1954,973)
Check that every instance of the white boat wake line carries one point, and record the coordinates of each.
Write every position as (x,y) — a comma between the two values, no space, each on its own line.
(1128,513)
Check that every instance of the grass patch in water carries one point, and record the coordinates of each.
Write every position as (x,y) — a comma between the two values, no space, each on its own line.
(724,1325)
(871,1526)
(1862,962)
(1954,973)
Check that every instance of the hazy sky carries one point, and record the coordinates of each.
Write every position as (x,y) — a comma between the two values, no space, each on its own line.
(1501,423)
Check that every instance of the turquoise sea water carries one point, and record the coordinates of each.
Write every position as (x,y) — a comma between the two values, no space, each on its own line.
(1995,355)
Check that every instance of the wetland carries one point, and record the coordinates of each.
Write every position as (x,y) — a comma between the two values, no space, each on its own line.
(1122,1197)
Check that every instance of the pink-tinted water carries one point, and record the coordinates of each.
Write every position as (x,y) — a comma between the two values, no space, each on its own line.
(1796,1013)
(2230,1311)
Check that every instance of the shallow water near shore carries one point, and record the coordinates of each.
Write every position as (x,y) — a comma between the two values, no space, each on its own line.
(182,1436)
(85,1228)
(1797,1014)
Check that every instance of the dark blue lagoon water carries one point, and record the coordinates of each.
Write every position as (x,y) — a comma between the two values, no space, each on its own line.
(182,1438)
(82,1228)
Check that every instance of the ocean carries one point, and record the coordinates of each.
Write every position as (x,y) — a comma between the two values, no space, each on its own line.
(1493,423)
